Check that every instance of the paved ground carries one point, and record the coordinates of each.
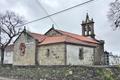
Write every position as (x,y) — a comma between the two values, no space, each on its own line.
(2,78)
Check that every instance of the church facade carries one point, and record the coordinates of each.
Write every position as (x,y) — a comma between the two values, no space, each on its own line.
(57,47)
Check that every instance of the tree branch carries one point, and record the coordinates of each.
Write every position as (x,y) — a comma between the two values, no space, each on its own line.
(6,32)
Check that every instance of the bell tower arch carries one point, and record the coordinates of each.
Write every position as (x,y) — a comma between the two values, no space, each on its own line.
(88,27)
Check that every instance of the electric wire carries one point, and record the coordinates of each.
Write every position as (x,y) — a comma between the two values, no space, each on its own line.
(39,3)
(56,13)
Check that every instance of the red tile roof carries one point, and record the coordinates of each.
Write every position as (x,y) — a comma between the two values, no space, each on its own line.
(54,39)
(39,37)
(59,39)
(79,37)
(65,37)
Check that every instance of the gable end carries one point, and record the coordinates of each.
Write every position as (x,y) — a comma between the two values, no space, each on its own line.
(53,32)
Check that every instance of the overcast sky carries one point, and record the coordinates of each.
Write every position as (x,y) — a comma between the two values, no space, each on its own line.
(68,21)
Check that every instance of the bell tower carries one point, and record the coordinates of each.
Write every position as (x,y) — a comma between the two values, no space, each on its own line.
(88,27)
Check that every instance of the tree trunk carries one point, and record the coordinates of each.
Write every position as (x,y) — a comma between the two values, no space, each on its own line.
(2,55)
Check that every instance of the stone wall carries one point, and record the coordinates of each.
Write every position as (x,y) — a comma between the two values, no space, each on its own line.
(56,55)
(61,73)
(73,55)
(99,54)
(29,57)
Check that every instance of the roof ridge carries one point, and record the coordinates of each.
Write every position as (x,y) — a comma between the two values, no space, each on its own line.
(75,37)
(68,32)
(35,33)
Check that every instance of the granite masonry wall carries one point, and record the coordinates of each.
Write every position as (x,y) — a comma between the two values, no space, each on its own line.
(73,55)
(29,56)
(53,54)
(61,72)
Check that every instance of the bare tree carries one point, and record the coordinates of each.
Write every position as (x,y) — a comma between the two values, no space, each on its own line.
(9,29)
(114,14)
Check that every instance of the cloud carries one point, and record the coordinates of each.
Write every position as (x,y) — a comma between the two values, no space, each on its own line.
(69,20)
(51,3)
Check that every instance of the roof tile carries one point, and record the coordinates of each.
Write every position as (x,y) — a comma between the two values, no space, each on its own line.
(39,37)
(66,37)
(79,37)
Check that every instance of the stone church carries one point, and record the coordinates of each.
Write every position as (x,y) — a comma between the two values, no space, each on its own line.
(57,47)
